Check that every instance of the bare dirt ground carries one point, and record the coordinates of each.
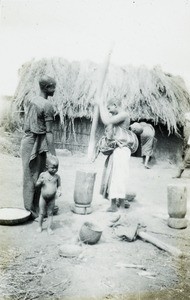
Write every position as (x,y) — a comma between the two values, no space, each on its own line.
(31,266)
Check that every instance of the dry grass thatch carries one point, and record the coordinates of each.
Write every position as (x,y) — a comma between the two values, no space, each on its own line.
(147,94)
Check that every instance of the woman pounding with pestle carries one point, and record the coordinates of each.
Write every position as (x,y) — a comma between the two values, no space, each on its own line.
(115,179)
(37,142)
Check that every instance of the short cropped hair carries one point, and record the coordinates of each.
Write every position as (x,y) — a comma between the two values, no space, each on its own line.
(52,159)
(46,82)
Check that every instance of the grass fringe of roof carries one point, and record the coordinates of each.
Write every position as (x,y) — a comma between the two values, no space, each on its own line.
(148,94)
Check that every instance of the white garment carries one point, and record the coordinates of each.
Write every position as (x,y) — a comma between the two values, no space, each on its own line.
(120,173)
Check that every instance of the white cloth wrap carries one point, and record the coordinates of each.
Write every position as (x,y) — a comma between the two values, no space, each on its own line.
(120,173)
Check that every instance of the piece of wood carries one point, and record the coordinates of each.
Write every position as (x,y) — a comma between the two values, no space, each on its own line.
(132,266)
(102,77)
(92,140)
(156,242)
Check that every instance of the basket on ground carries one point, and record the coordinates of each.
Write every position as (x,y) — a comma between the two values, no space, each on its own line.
(90,233)
(13,215)
(69,250)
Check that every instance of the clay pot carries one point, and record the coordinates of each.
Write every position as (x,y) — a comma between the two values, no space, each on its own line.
(84,186)
(90,233)
(177,200)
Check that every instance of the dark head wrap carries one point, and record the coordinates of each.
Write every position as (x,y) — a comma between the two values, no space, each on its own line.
(47,83)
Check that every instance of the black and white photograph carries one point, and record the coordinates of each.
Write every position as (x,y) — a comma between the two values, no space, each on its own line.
(95,149)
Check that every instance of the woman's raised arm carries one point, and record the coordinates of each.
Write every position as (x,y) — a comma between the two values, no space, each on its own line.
(111,119)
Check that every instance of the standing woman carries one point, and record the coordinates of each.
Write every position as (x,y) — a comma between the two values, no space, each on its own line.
(116,169)
(37,142)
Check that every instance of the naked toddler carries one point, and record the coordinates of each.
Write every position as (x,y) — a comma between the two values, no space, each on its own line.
(50,184)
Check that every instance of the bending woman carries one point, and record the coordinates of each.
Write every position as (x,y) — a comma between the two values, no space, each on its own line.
(147,138)
(37,141)
(116,170)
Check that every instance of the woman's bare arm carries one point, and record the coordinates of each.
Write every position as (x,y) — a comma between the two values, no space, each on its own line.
(49,137)
(40,180)
(59,191)
(111,119)
(58,181)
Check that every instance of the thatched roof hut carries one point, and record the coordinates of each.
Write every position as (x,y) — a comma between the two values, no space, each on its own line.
(147,94)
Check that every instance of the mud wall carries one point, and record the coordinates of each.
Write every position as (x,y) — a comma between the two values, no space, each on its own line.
(74,136)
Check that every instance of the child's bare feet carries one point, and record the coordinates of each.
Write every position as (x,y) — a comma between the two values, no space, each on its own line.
(39,229)
(50,231)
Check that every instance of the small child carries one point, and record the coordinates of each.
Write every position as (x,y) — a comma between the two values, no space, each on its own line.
(50,184)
